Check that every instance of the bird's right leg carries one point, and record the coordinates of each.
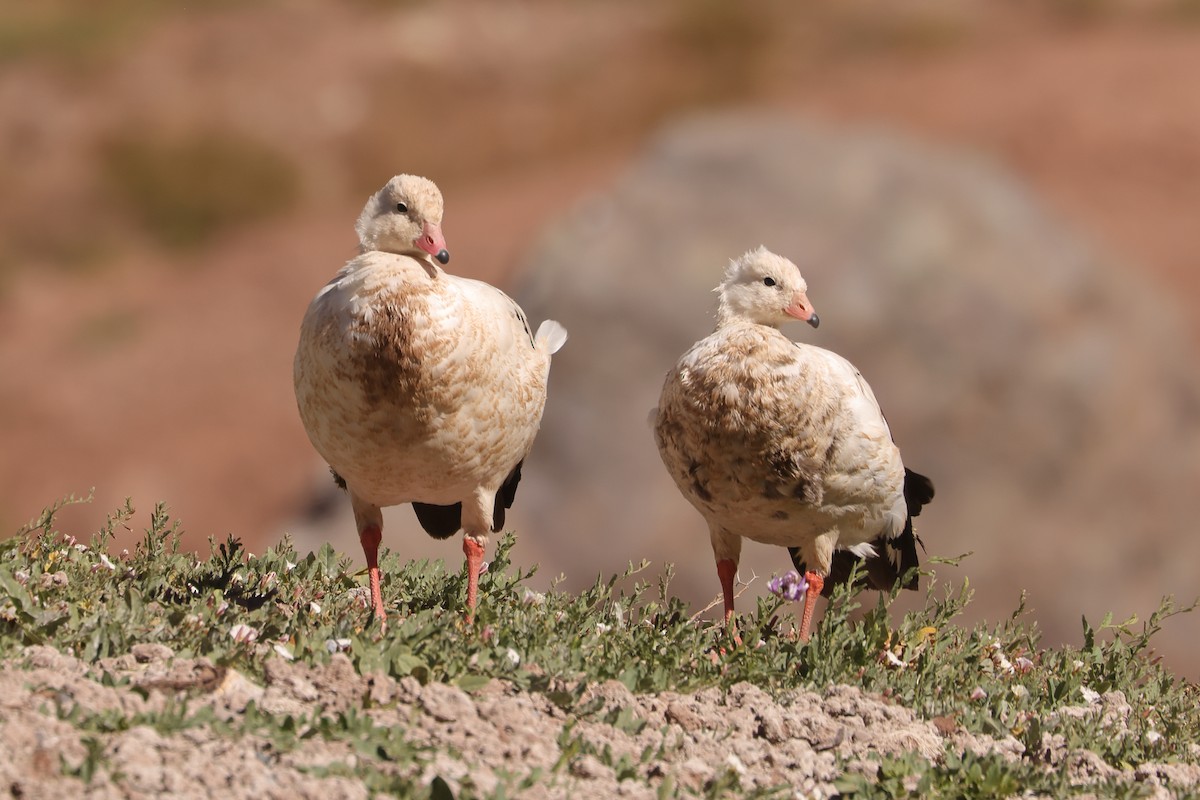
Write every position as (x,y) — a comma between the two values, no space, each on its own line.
(818,554)
(477,524)
(727,550)
(369,519)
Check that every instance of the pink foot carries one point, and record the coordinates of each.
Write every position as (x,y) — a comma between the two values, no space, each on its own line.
(727,572)
(815,584)
(370,537)
(474,553)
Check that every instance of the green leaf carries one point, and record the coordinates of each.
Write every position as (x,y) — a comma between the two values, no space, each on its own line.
(471,682)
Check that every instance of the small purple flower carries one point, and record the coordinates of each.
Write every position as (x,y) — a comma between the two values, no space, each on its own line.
(790,586)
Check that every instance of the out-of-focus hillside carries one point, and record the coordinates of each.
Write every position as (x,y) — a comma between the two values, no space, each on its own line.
(178,181)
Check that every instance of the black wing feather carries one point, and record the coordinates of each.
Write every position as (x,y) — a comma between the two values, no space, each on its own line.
(442,522)
(893,558)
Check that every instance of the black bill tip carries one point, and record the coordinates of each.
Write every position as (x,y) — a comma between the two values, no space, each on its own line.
(443,256)
(814,320)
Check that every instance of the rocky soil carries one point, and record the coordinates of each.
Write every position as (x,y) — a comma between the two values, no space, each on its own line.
(477,740)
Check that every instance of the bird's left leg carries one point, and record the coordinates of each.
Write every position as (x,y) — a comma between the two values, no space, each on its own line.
(727,550)
(369,520)
(477,525)
(818,554)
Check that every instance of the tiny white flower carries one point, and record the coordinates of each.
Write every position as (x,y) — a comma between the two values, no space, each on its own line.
(978,693)
(243,633)
(483,567)
(360,596)
(893,660)
(1002,663)
(337,645)
(1089,695)
(108,564)
(735,764)
(602,627)
(237,580)
(618,614)
(314,607)
(1153,737)
(83,548)
(1022,664)
(282,651)
(1076,665)
(289,565)
(221,609)
(513,657)
(532,598)
(1019,691)
(22,576)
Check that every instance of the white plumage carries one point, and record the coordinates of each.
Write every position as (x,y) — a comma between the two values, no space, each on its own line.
(784,443)
(417,386)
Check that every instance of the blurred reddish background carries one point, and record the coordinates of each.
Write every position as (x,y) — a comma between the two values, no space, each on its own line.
(179,179)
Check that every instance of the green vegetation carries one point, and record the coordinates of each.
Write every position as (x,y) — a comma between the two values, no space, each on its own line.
(187,191)
(990,680)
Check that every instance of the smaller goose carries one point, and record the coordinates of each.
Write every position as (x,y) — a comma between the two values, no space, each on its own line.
(417,386)
(784,443)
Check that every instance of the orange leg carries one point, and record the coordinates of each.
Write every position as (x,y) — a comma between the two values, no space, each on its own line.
(815,584)
(727,571)
(474,553)
(370,537)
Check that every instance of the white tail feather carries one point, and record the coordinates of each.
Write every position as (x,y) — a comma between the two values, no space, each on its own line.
(551,336)
(863,550)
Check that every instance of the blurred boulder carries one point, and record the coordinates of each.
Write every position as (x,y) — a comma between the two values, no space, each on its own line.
(1048,391)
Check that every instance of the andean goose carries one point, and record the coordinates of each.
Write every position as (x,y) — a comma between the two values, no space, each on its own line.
(784,443)
(417,386)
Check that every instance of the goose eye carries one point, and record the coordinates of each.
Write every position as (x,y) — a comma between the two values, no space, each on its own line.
(768,281)
(402,208)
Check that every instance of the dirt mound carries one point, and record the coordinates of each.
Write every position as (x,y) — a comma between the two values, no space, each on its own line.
(473,738)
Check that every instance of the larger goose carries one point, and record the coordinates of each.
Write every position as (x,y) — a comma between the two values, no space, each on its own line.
(417,386)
